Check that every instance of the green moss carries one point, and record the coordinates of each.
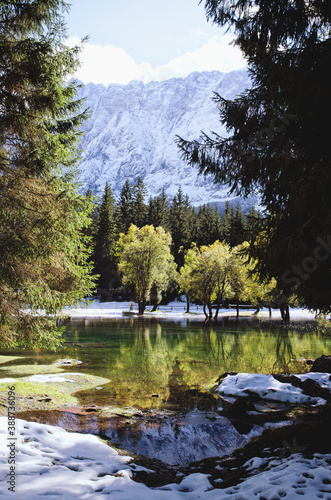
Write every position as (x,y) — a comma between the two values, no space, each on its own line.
(51,395)
(27,370)
(35,369)
(7,359)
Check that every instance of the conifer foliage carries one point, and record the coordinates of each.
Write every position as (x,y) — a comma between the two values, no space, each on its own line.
(43,256)
(278,139)
(104,255)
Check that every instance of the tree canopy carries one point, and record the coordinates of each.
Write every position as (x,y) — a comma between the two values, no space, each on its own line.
(43,254)
(213,273)
(145,260)
(278,142)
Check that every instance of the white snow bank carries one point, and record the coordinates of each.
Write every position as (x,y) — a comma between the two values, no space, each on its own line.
(45,379)
(41,379)
(173,310)
(323,379)
(52,463)
(267,387)
(289,478)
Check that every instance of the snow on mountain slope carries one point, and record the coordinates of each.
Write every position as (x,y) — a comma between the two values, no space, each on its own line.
(132,130)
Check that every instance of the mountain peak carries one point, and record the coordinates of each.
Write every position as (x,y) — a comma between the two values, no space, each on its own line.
(132,129)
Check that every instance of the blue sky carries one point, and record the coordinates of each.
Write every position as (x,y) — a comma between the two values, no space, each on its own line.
(147,40)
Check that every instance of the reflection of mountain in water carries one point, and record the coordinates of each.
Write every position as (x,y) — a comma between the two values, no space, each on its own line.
(180,441)
(173,440)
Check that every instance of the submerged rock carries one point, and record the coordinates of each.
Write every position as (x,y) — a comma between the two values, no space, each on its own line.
(322,364)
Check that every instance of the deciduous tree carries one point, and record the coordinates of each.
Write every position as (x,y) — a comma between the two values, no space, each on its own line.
(145,260)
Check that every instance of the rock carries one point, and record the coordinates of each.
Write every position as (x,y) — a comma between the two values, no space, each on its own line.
(221,377)
(309,387)
(241,406)
(312,388)
(322,364)
(287,379)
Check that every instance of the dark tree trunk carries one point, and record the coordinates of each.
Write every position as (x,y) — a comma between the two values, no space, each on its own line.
(141,307)
(155,306)
(187,304)
(217,308)
(237,309)
(270,313)
(210,311)
(204,311)
(285,313)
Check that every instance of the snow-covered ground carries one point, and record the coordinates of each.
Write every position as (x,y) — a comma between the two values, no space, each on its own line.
(51,463)
(173,310)
(267,387)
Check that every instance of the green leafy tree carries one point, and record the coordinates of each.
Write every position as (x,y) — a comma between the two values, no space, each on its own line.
(206,275)
(163,282)
(185,278)
(278,141)
(43,253)
(239,277)
(106,236)
(145,260)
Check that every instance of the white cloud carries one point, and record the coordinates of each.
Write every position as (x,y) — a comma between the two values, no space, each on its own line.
(109,64)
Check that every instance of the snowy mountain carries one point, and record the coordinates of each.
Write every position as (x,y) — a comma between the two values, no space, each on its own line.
(132,128)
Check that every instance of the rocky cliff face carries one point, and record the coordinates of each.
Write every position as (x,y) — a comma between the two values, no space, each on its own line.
(132,130)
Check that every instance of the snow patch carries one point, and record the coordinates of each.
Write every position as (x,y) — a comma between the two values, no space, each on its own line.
(267,387)
(53,463)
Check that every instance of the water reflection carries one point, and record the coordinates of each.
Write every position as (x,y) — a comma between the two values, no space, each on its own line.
(192,437)
(284,352)
(157,366)
(153,364)
(180,441)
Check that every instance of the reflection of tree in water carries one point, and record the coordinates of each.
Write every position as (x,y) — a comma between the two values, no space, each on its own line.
(284,351)
(181,395)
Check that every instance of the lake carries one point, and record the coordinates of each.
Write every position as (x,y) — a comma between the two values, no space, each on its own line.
(163,366)
(151,363)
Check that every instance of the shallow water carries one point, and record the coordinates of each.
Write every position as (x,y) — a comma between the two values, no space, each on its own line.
(153,364)
(165,369)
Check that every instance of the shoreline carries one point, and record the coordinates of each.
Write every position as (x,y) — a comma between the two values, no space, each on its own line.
(175,310)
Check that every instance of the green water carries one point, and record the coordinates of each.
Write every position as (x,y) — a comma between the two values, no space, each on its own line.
(151,363)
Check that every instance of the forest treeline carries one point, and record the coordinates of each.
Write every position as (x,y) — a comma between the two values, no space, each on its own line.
(196,251)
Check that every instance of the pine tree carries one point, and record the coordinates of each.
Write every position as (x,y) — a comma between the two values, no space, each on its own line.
(106,235)
(125,208)
(279,137)
(238,227)
(43,254)
(158,211)
(226,226)
(253,223)
(139,209)
(180,215)
(209,228)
